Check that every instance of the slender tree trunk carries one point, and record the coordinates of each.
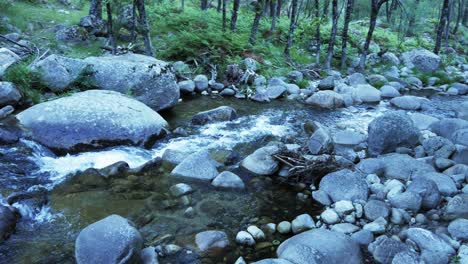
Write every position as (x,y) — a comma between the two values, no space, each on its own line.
(292,27)
(344,36)
(256,22)
(317,31)
(95,9)
(459,16)
(376,4)
(182,5)
(110,28)
(235,9)
(224,14)
(204,4)
(412,20)
(331,43)
(133,33)
(441,26)
(326,5)
(143,21)
(273,18)
(219,6)
(278,8)
(447,25)
(465,13)
(272,8)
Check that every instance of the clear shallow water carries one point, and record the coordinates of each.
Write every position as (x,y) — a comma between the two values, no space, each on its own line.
(54,227)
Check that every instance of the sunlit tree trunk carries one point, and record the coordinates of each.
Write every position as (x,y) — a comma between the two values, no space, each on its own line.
(292,27)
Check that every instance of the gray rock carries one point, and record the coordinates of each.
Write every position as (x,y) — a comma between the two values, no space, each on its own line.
(429,242)
(173,157)
(344,207)
(222,113)
(9,95)
(348,137)
(321,197)
(320,142)
(375,209)
(461,88)
(344,185)
(211,240)
(284,227)
(110,240)
(428,191)
(293,89)
(444,183)
(392,130)
(328,83)
(6,111)
(8,218)
(8,137)
(461,137)
(390,58)
(149,80)
(302,223)
(438,147)
(7,58)
(457,207)
(366,94)
(58,73)
(272,261)
(245,238)
(329,216)
(256,233)
(377,80)
(227,179)
(250,64)
(414,82)
(363,237)
(407,257)
(356,79)
(422,121)
(458,229)
(345,228)
(261,161)
(389,91)
(447,126)
(180,189)
(409,102)
(275,91)
(407,200)
(197,166)
(295,76)
(461,155)
(186,87)
(384,249)
(326,99)
(463,254)
(201,83)
(92,119)
(421,59)
(378,226)
(71,34)
(320,246)
(227,92)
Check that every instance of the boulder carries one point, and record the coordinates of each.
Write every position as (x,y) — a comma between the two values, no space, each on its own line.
(433,248)
(356,79)
(375,209)
(261,161)
(390,131)
(7,58)
(409,102)
(458,229)
(320,246)
(377,80)
(422,121)
(111,240)
(227,179)
(71,34)
(92,119)
(295,76)
(149,80)
(302,223)
(197,166)
(446,127)
(407,257)
(186,87)
(8,218)
(201,83)
(389,91)
(211,240)
(326,99)
(58,73)
(384,249)
(275,91)
(428,191)
(461,88)
(320,142)
(390,58)
(328,83)
(9,95)
(444,183)
(344,185)
(365,93)
(222,113)
(406,200)
(421,59)
(457,207)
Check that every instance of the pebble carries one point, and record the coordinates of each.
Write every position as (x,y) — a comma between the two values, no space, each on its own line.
(270,228)
(180,189)
(256,232)
(245,238)
(344,207)
(329,216)
(377,227)
(284,227)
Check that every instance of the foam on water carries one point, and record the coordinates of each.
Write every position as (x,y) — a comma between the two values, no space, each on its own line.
(220,135)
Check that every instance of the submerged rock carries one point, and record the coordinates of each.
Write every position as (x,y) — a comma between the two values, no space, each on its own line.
(110,240)
(227,179)
(197,166)
(211,241)
(8,218)
(222,113)
(92,119)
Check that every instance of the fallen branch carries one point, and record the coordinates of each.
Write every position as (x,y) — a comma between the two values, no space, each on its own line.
(18,44)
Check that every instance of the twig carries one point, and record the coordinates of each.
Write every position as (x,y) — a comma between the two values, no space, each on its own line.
(39,58)
(16,43)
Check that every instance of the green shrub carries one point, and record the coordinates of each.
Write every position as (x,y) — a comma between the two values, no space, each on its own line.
(26,80)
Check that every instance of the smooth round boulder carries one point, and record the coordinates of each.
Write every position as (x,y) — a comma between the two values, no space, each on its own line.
(262,162)
(92,119)
(344,185)
(320,246)
(389,131)
(458,229)
(375,209)
(110,240)
(421,59)
(326,99)
(222,113)
(197,166)
(227,179)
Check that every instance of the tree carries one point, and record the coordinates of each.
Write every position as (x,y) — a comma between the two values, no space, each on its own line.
(278,8)
(459,16)
(235,9)
(95,9)
(344,36)
(224,14)
(258,15)
(440,28)
(326,5)
(143,22)
(110,29)
(331,43)
(317,31)
(204,4)
(273,11)
(375,8)
(292,27)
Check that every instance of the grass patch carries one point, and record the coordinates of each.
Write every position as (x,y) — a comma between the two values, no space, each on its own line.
(26,80)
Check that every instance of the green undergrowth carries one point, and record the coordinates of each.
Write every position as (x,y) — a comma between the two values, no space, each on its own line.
(26,80)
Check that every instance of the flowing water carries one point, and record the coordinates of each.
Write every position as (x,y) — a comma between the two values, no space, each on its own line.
(46,234)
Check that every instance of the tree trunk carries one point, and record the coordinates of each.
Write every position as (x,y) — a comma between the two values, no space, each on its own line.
(95,9)
(273,18)
(317,32)
(278,8)
(133,33)
(331,43)
(224,14)
(235,9)
(441,26)
(376,4)
(447,25)
(326,5)
(412,20)
(256,22)
(272,8)
(218,7)
(344,37)
(459,16)
(204,4)
(465,14)
(292,27)
(182,5)
(143,21)
(110,28)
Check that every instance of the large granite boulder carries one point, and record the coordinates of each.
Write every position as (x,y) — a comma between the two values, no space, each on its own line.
(92,119)
(421,59)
